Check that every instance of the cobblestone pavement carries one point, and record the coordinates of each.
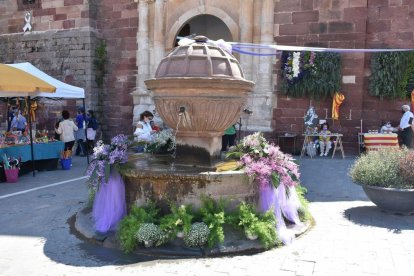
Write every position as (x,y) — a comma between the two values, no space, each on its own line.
(351,236)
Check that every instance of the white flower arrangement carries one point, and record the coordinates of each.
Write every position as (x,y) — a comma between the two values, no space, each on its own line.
(149,234)
(198,235)
(163,136)
(296,64)
(164,141)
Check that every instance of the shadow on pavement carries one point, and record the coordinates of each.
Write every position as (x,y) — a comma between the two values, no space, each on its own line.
(374,216)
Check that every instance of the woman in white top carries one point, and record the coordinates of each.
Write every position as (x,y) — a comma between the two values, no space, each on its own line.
(144,132)
(66,130)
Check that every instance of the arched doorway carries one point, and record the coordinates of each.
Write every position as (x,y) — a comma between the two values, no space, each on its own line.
(208,25)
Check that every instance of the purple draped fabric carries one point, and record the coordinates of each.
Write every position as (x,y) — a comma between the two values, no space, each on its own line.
(283,206)
(109,206)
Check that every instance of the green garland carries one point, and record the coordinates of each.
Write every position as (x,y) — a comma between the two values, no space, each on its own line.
(320,82)
(392,75)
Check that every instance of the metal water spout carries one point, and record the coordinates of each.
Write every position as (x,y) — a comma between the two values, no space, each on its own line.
(185,117)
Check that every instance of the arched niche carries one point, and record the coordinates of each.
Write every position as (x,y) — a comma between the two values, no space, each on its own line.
(208,25)
(196,15)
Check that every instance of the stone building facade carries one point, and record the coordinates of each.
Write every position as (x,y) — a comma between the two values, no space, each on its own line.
(136,34)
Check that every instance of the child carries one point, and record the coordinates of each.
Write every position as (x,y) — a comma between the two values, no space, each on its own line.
(324,140)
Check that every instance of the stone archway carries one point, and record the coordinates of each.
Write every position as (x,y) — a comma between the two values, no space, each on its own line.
(208,25)
(204,10)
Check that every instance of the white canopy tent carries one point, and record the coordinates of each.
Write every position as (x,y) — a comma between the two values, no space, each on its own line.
(63,90)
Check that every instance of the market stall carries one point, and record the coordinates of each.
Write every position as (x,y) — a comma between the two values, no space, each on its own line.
(35,150)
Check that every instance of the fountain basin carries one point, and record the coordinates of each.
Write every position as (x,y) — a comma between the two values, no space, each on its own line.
(148,178)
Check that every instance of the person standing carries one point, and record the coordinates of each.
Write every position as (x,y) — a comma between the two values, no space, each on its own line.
(405,126)
(10,116)
(19,122)
(228,138)
(66,130)
(92,126)
(80,133)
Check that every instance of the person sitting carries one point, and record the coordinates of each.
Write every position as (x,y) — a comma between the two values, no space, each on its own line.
(324,140)
(387,128)
(155,127)
(144,132)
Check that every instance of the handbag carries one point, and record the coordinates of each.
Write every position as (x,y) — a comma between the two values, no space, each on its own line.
(90,133)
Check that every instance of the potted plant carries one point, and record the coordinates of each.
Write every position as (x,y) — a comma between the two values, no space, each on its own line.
(387,177)
(178,223)
(197,236)
(213,215)
(149,234)
(11,168)
(129,225)
(258,226)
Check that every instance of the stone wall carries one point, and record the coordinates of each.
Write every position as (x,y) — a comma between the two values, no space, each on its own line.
(389,25)
(66,55)
(49,15)
(342,24)
(62,43)
(118,23)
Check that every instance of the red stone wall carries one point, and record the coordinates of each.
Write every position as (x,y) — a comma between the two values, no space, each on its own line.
(51,15)
(343,24)
(118,23)
(389,25)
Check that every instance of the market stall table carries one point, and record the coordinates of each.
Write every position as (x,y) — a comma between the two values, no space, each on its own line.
(46,155)
(376,141)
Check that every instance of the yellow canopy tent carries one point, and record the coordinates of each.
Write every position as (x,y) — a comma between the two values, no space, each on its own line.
(17,83)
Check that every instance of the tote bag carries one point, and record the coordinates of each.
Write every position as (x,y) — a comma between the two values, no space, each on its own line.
(90,133)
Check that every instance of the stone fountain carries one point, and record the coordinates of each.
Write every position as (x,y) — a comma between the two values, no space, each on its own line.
(206,86)
(199,90)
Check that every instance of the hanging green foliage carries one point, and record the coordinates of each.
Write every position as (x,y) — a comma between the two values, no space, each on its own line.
(392,75)
(308,74)
(100,62)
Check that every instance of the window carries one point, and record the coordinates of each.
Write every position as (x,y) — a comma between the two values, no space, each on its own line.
(23,5)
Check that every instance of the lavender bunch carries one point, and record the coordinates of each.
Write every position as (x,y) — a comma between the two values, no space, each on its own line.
(105,156)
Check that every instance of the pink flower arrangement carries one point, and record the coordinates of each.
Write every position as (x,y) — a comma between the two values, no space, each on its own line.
(266,162)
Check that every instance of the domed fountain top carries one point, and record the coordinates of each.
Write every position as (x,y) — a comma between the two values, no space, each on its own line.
(200,59)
